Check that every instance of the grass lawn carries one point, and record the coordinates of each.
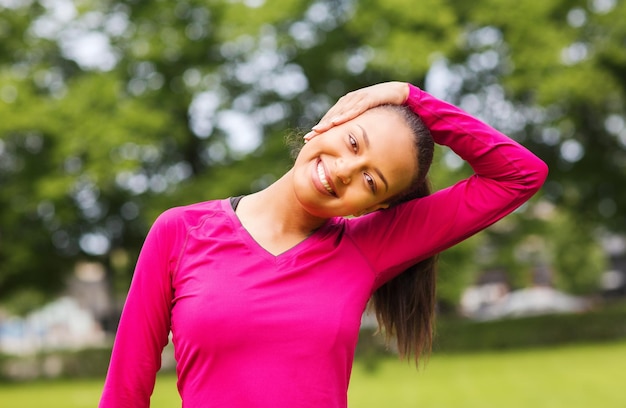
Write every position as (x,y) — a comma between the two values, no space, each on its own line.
(568,377)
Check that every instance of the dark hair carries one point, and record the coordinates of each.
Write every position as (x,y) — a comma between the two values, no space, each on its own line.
(405,306)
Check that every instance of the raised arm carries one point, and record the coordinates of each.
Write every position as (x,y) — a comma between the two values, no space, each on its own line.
(506,175)
(491,154)
(144,325)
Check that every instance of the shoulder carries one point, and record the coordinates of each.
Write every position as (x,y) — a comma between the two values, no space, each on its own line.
(189,216)
(380,218)
(385,224)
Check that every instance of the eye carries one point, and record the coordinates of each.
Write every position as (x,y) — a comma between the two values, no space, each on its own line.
(370,182)
(353,143)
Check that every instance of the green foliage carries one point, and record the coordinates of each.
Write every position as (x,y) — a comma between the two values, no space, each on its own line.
(572,68)
(95,151)
(85,363)
(404,38)
(579,260)
(458,268)
(22,301)
(457,335)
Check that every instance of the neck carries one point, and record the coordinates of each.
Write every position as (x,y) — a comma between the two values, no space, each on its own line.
(279,209)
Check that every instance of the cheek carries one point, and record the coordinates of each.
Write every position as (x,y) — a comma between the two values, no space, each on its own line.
(359,200)
(302,153)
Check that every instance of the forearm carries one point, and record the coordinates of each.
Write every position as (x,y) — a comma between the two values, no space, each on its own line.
(490,153)
(144,325)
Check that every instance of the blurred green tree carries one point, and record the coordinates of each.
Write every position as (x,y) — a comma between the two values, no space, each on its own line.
(113,110)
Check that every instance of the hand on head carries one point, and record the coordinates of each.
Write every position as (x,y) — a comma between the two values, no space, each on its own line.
(356,102)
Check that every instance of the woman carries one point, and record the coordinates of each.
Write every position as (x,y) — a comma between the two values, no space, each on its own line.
(264,295)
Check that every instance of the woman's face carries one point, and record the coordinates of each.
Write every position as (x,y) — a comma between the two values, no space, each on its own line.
(356,167)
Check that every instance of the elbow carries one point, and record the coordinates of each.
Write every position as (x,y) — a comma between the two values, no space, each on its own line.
(542,172)
(537,175)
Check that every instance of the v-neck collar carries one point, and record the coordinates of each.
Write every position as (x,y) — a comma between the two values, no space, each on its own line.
(245,236)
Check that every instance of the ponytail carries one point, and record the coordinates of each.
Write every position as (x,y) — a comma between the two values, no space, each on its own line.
(405,306)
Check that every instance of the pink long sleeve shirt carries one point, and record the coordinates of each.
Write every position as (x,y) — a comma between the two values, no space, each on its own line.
(251,329)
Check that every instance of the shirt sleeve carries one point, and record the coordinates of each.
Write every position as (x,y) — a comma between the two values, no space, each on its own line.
(505,176)
(145,322)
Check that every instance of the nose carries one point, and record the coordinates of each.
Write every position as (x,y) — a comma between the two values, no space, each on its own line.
(345,169)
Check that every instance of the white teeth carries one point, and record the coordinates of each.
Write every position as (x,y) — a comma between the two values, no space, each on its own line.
(322,176)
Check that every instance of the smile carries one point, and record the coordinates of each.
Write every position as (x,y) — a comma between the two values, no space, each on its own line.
(322,176)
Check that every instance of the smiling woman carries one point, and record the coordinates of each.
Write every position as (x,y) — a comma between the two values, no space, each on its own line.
(361,164)
(264,293)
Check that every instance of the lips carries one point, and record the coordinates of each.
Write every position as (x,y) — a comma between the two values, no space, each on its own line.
(321,173)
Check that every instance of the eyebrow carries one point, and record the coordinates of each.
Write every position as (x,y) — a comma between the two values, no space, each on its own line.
(366,140)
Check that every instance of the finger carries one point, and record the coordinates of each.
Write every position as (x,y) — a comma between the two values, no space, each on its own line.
(338,115)
(325,124)
(310,135)
(346,108)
